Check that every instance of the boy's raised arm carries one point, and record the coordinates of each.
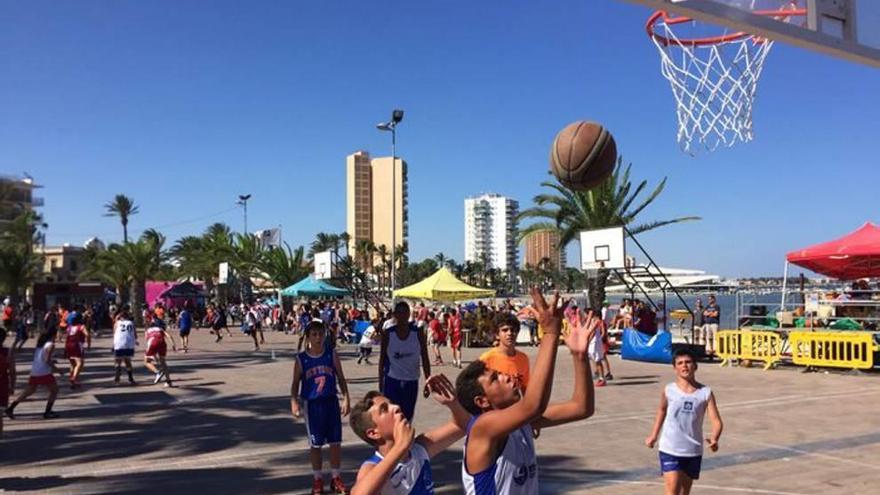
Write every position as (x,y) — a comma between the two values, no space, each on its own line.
(440,438)
(582,402)
(372,477)
(497,424)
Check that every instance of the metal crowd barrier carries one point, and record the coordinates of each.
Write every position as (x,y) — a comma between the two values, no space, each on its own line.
(854,350)
(748,345)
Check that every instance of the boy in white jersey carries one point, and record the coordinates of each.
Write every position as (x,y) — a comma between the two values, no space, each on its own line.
(683,404)
(499,453)
(402,462)
(124,342)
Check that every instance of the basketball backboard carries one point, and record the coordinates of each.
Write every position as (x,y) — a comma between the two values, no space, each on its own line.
(603,248)
(325,265)
(848,29)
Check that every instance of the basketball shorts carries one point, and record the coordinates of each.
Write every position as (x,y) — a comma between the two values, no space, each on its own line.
(596,350)
(403,393)
(157,348)
(184,332)
(123,353)
(42,380)
(688,465)
(73,350)
(323,421)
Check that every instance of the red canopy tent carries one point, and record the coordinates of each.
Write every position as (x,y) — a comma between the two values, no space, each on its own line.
(855,255)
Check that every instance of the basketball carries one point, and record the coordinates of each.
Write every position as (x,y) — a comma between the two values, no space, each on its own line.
(583,155)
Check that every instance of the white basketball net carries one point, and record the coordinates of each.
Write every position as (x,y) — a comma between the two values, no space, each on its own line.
(714,87)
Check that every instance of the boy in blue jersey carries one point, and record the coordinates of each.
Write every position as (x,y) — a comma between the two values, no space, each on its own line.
(316,373)
(402,462)
(499,452)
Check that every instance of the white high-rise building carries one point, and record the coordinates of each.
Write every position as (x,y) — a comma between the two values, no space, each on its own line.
(490,231)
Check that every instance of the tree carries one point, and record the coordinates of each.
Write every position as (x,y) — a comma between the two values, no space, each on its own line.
(609,204)
(324,242)
(284,266)
(145,260)
(123,207)
(247,257)
(199,257)
(107,266)
(20,266)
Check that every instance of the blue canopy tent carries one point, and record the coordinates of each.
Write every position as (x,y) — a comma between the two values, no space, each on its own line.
(311,287)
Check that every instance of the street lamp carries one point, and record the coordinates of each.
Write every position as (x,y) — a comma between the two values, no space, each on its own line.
(242,200)
(391,126)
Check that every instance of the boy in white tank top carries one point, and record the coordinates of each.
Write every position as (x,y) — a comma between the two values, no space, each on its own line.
(499,452)
(683,405)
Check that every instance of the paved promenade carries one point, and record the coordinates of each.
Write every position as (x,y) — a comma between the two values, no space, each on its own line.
(226,428)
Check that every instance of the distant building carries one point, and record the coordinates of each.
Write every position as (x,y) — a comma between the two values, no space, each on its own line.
(60,280)
(16,197)
(490,230)
(370,199)
(61,263)
(542,245)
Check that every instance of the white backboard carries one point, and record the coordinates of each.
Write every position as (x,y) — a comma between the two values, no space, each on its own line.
(603,248)
(847,29)
(325,265)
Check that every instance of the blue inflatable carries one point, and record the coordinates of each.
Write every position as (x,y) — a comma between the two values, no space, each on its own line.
(638,346)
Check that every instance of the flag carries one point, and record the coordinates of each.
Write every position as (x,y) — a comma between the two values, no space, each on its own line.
(270,237)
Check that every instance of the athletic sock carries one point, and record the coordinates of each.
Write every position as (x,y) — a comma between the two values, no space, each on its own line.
(49,405)
(118,373)
(318,475)
(130,377)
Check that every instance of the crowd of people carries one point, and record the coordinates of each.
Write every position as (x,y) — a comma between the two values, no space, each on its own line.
(499,403)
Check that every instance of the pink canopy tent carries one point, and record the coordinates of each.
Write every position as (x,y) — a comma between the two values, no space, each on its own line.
(855,255)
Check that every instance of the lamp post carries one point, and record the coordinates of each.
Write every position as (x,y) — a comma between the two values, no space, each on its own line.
(242,200)
(391,126)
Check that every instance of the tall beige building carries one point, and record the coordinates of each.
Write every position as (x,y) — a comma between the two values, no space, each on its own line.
(369,197)
(542,245)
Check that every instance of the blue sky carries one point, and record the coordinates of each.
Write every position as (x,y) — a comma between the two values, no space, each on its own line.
(183,105)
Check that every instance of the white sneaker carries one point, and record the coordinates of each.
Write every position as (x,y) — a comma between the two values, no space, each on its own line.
(158,378)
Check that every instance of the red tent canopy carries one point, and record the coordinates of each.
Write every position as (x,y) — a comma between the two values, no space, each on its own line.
(855,255)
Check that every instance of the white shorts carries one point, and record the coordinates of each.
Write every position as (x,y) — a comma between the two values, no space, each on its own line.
(596,350)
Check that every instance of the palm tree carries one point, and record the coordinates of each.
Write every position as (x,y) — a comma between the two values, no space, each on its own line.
(144,260)
(284,266)
(324,242)
(20,266)
(107,266)
(123,207)
(609,204)
(440,258)
(247,256)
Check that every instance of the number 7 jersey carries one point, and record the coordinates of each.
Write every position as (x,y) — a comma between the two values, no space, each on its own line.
(318,375)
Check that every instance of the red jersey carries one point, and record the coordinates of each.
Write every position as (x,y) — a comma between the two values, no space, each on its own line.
(76,334)
(154,336)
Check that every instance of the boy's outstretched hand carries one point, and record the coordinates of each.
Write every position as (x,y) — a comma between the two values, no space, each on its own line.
(580,334)
(549,316)
(441,389)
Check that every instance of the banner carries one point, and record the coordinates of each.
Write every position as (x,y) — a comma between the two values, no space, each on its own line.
(269,237)
(224,273)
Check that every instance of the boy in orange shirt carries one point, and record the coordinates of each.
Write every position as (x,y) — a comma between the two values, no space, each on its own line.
(504,358)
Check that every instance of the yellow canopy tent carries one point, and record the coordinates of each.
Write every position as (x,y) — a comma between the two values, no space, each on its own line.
(443,286)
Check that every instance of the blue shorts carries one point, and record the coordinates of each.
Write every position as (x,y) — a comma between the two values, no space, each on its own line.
(123,353)
(403,393)
(688,465)
(323,421)
(184,332)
